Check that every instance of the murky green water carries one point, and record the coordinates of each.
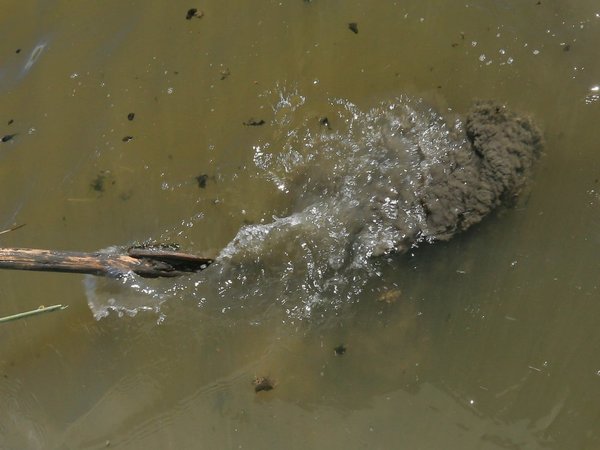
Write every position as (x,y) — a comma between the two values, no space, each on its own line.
(487,341)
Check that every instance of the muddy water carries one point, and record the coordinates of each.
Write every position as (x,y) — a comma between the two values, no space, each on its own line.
(486,341)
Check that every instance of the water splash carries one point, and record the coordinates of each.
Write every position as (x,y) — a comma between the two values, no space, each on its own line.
(361,185)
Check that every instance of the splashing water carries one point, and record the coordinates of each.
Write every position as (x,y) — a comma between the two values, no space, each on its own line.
(367,186)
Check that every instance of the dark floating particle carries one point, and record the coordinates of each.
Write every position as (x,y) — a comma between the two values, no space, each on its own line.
(254,122)
(339,350)
(202,179)
(324,121)
(193,12)
(10,121)
(8,137)
(98,183)
(263,384)
(225,73)
(127,138)
(17,51)
(566,47)
(353,27)
(130,116)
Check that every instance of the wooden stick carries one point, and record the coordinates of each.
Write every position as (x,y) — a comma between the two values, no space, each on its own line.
(146,262)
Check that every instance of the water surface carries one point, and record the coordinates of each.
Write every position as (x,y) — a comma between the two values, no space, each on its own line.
(486,341)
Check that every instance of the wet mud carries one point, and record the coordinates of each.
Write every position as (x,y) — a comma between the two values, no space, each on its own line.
(492,168)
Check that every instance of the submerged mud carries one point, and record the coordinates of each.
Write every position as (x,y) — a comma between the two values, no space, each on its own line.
(366,185)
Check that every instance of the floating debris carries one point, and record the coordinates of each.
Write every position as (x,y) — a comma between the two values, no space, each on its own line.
(390,296)
(193,12)
(263,384)
(130,116)
(225,73)
(202,179)
(339,350)
(8,137)
(42,309)
(254,122)
(353,26)
(98,184)
(16,227)
(127,138)
(324,121)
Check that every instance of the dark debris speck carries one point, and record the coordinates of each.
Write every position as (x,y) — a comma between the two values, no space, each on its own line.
(193,12)
(324,121)
(254,122)
(97,183)
(10,122)
(8,137)
(263,384)
(225,73)
(339,350)
(130,116)
(353,26)
(127,138)
(202,179)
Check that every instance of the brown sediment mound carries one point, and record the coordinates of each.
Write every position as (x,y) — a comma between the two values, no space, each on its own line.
(492,169)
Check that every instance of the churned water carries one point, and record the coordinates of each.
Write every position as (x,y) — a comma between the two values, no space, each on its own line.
(383,182)
(341,191)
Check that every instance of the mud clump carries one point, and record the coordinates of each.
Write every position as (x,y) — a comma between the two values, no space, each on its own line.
(492,169)
(425,178)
